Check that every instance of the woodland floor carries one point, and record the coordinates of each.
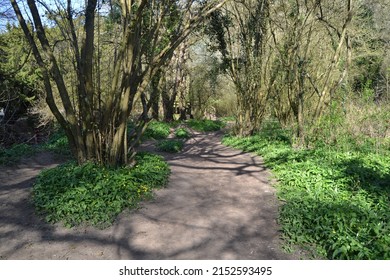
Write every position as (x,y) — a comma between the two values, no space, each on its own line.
(218,204)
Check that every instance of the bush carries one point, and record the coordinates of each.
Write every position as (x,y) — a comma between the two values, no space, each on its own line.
(58,143)
(170,146)
(354,126)
(157,130)
(182,133)
(335,201)
(94,194)
(205,125)
(15,153)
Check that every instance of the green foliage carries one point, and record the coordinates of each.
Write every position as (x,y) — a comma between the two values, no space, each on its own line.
(368,92)
(355,126)
(19,77)
(58,143)
(175,123)
(182,133)
(157,130)
(15,153)
(272,131)
(206,125)
(94,194)
(369,71)
(170,146)
(335,201)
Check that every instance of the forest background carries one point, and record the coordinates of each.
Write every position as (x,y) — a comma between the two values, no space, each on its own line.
(304,82)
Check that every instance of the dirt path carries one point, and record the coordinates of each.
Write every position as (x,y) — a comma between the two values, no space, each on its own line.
(217,205)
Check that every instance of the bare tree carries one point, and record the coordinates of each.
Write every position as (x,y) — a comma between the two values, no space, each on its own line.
(5,12)
(310,44)
(240,31)
(174,83)
(96,122)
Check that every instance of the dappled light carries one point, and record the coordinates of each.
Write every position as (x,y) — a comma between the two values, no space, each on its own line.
(186,129)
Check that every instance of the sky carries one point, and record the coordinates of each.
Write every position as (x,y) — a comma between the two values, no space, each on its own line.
(7,13)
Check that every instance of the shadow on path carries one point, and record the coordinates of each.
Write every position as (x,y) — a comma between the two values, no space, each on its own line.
(218,205)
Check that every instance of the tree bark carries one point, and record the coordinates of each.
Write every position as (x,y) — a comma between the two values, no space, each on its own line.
(97,129)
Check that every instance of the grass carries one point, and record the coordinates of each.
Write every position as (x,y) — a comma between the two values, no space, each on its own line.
(206,125)
(58,143)
(91,194)
(336,202)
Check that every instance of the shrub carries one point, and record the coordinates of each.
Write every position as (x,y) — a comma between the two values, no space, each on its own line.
(170,146)
(94,194)
(206,125)
(58,143)
(182,133)
(15,153)
(354,126)
(157,130)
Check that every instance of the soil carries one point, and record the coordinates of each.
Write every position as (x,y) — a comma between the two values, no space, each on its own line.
(218,204)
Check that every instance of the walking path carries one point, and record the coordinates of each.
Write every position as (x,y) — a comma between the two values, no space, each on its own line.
(218,205)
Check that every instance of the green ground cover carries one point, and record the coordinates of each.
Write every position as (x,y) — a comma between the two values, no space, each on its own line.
(335,201)
(91,194)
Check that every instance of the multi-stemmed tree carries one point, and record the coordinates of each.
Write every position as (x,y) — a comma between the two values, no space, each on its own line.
(95,119)
(240,32)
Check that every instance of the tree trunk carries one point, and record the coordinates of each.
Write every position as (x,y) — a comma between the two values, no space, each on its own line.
(301,120)
(169,109)
(96,129)
(155,95)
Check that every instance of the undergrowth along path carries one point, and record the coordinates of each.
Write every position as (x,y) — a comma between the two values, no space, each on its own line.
(218,205)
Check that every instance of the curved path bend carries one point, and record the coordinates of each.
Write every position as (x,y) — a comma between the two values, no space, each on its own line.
(218,205)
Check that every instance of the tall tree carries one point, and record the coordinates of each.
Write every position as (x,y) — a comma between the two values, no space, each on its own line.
(310,42)
(174,83)
(19,86)
(95,122)
(240,32)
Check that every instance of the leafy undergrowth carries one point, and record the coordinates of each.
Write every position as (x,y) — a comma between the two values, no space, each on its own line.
(91,194)
(57,143)
(13,154)
(337,202)
(157,130)
(170,145)
(206,125)
(182,133)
